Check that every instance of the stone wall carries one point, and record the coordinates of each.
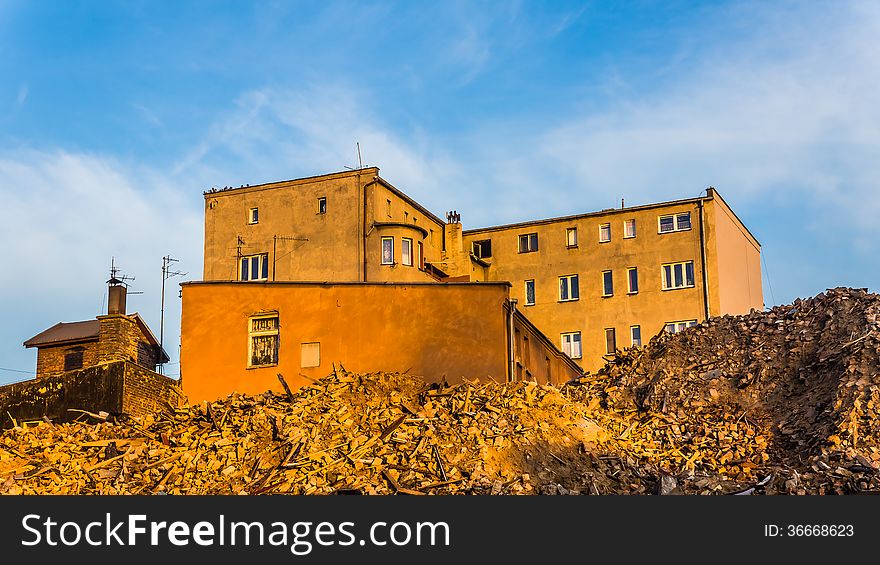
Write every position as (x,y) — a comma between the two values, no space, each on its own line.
(121,339)
(116,388)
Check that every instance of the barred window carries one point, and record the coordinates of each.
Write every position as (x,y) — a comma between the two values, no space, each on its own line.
(263,341)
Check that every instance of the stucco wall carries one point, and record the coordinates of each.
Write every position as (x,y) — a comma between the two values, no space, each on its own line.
(433,330)
(651,308)
(738,266)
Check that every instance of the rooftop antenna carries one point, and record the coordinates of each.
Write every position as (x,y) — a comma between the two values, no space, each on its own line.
(121,279)
(360,161)
(167,273)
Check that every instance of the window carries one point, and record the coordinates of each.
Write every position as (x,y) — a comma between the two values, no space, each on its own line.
(678,275)
(254,268)
(604,233)
(530,292)
(610,341)
(571,344)
(635,336)
(482,248)
(420,256)
(675,327)
(675,222)
(322,205)
(571,237)
(528,242)
(263,349)
(73,359)
(387,250)
(310,354)
(629,228)
(632,277)
(388,208)
(607,283)
(406,256)
(568,288)
(254,216)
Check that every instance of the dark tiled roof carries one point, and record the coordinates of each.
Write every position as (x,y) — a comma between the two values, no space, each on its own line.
(66,331)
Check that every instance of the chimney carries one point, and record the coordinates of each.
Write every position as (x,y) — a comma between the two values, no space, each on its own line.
(116,299)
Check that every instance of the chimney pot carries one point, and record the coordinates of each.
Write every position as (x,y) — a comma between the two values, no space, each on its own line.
(116,299)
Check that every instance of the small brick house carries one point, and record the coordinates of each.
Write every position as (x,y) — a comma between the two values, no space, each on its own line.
(116,336)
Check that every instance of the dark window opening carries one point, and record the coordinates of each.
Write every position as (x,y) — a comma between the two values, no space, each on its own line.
(73,359)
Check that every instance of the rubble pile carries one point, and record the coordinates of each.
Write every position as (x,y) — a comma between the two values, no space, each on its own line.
(783,401)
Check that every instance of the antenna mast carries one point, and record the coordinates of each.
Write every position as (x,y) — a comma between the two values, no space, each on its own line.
(167,273)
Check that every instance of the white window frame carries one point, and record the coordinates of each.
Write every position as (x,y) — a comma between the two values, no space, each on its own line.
(322,204)
(527,237)
(526,292)
(263,261)
(571,237)
(670,284)
(679,325)
(567,281)
(406,257)
(601,227)
(253,216)
(604,294)
(675,222)
(632,336)
(252,333)
(569,347)
(626,223)
(391,240)
(629,285)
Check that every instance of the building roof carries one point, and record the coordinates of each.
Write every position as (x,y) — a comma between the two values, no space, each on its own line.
(65,332)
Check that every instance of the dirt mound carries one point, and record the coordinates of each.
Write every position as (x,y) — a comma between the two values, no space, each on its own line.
(783,401)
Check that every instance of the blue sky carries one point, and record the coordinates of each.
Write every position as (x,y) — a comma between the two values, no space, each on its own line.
(115,116)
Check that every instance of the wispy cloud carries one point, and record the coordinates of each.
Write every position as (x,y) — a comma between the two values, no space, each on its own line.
(23,91)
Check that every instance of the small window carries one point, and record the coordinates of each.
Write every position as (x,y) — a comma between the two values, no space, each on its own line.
(635,335)
(678,275)
(675,327)
(254,216)
(629,229)
(406,256)
(483,248)
(73,359)
(675,222)
(528,242)
(530,292)
(322,205)
(568,288)
(632,276)
(607,283)
(610,341)
(387,250)
(388,208)
(310,354)
(254,268)
(571,344)
(571,237)
(604,233)
(263,334)
(420,255)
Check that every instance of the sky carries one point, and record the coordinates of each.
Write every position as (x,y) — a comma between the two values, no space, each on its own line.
(116,116)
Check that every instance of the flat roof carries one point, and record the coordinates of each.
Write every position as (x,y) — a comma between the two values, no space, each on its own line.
(352,283)
(274,184)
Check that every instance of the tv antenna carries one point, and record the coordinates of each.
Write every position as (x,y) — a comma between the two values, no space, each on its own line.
(360,159)
(117,280)
(167,273)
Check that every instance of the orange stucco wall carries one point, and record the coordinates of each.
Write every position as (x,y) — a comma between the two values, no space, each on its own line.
(433,330)
(737,268)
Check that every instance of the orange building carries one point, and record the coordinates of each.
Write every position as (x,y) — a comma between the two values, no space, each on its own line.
(585,284)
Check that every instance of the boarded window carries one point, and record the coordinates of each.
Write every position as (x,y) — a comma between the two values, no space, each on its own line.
(264,341)
(73,359)
(610,341)
(310,354)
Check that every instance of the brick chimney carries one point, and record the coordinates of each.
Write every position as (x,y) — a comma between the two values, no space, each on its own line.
(116,299)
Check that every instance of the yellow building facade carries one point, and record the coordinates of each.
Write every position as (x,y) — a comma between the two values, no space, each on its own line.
(589,283)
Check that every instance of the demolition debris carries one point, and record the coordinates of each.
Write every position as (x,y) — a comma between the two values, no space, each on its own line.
(778,402)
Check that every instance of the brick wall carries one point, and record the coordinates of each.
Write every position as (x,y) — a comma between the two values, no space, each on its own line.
(146,392)
(121,339)
(50,360)
(116,388)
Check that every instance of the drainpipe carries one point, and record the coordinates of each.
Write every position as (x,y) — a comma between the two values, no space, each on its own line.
(510,345)
(703,261)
